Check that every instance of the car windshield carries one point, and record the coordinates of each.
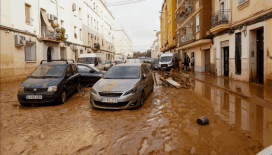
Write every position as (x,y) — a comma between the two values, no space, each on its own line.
(90,60)
(48,71)
(107,62)
(166,59)
(123,72)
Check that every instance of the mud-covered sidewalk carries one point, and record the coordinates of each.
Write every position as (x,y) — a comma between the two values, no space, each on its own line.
(166,124)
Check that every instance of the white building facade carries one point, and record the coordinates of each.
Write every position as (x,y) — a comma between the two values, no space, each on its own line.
(35,30)
(123,45)
(155,48)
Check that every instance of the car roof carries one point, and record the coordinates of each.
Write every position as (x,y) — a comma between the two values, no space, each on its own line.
(130,64)
(56,64)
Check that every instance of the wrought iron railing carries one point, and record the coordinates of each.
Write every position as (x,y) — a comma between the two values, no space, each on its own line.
(188,10)
(220,17)
(48,34)
(187,38)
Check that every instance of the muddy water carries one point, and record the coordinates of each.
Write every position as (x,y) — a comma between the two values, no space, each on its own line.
(166,124)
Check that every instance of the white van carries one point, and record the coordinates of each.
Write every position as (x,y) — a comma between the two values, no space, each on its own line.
(96,60)
(168,60)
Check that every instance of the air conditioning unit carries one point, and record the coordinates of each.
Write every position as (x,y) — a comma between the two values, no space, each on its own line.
(74,47)
(66,36)
(89,50)
(74,7)
(20,40)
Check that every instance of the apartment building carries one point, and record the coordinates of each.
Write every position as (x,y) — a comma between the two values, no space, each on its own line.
(123,44)
(242,39)
(155,48)
(193,21)
(35,30)
(168,26)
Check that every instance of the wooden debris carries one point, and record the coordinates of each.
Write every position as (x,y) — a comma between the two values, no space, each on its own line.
(173,83)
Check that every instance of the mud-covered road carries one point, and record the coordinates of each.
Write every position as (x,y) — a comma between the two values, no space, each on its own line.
(166,124)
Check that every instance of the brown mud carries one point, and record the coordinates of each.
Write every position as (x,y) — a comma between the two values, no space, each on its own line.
(166,124)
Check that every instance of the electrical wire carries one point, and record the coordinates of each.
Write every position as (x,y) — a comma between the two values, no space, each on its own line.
(122,2)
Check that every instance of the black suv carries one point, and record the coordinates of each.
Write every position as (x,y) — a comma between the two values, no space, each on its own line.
(49,82)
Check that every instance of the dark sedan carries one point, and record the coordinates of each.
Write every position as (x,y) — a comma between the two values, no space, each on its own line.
(89,75)
(49,82)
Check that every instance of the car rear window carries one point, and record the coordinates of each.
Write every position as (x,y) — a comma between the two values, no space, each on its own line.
(123,72)
(48,70)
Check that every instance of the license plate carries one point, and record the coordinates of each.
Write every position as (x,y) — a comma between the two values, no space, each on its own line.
(31,97)
(109,100)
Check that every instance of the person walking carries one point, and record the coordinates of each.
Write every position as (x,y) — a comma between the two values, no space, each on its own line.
(186,63)
(180,65)
(193,63)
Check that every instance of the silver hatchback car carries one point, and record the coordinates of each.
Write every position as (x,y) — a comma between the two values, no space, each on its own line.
(124,86)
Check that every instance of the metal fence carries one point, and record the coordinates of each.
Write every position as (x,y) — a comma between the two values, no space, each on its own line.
(220,17)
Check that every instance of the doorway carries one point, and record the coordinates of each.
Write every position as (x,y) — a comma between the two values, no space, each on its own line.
(207,60)
(49,54)
(226,60)
(260,56)
(76,55)
(62,53)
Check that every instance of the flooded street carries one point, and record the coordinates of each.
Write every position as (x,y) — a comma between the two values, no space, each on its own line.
(166,124)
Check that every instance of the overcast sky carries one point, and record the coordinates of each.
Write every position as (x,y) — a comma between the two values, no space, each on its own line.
(139,21)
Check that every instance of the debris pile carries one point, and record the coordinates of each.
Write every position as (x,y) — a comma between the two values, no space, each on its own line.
(173,79)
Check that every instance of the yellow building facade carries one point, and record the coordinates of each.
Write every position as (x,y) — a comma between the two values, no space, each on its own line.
(168,25)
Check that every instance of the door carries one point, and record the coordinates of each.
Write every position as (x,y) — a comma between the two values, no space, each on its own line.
(49,57)
(76,55)
(260,56)
(69,82)
(207,60)
(62,54)
(86,77)
(226,60)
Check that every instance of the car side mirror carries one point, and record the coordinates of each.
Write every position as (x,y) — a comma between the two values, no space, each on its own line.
(91,71)
(144,76)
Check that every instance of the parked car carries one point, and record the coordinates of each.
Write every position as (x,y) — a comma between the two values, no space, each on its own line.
(88,75)
(108,64)
(116,62)
(124,86)
(133,61)
(168,61)
(155,63)
(49,82)
(94,60)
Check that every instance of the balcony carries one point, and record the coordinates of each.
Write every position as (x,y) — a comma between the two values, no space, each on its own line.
(187,37)
(56,35)
(220,21)
(185,13)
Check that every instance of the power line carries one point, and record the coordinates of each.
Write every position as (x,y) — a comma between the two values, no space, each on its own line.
(122,2)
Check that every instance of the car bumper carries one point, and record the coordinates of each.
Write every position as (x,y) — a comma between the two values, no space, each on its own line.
(46,98)
(124,102)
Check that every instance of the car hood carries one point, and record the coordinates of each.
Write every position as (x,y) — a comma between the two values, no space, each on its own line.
(40,83)
(115,85)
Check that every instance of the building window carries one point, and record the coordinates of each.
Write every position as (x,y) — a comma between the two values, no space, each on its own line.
(238,53)
(75,32)
(80,34)
(79,13)
(62,23)
(240,2)
(197,24)
(94,24)
(94,6)
(178,37)
(30,51)
(91,21)
(27,14)
(88,38)
(88,19)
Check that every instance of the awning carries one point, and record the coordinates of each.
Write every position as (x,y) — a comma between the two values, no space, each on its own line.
(49,27)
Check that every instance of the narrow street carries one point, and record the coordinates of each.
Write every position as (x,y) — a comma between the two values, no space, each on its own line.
(166,124)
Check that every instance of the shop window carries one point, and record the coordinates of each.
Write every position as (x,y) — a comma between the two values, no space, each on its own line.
(27,14)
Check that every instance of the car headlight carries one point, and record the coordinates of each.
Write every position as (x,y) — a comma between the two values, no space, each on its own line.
(52,88)
(93,91)
(132,91)
(21,89)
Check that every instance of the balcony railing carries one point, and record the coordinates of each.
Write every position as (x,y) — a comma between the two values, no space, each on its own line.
(187,38)
(48,34)
(220,17)
(188,10)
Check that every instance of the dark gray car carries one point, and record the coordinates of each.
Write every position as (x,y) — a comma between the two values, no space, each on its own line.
(124,86)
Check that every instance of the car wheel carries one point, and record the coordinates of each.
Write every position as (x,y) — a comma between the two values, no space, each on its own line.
(142,99)
(63,97)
